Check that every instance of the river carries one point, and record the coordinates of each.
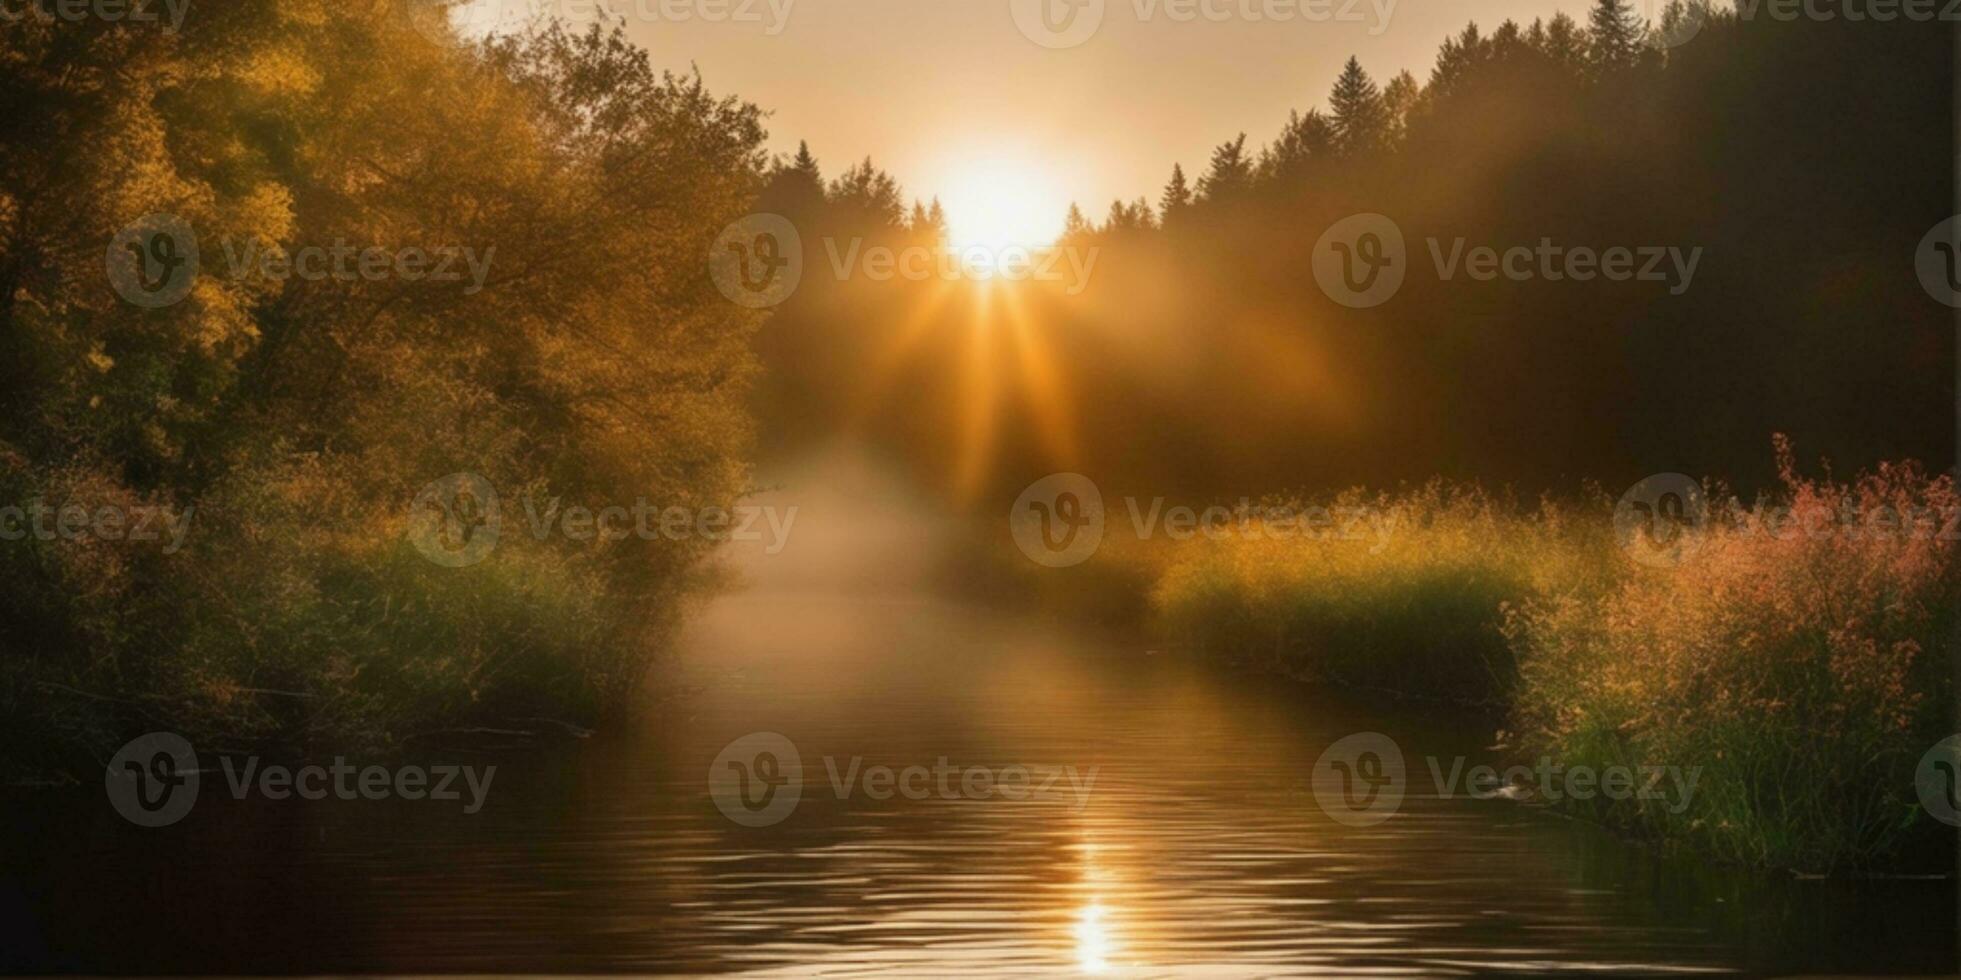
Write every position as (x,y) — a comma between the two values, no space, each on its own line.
(1076,804)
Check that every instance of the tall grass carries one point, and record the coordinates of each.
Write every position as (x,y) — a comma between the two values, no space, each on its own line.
(1398,592)
(1799,654)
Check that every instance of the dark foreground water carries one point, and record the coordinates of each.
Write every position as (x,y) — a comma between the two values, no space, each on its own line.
(1189,842)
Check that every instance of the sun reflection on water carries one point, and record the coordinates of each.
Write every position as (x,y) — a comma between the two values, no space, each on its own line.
(1093,942)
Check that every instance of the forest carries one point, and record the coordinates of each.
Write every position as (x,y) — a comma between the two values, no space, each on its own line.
(1782,155)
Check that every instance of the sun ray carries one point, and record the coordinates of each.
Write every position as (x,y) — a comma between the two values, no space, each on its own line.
(1041,383)
(902,341)
(980,396)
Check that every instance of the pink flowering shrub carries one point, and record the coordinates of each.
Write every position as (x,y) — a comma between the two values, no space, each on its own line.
(1799,654)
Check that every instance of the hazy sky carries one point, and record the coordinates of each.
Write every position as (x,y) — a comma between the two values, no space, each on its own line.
(954,98)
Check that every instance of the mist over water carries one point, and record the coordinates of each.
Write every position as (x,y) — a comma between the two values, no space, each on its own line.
(859,527)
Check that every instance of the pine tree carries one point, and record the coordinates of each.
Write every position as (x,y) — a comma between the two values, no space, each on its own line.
(1615,36)
(1361,118)
(1565,44)
(1680,22)
(1119,219)
(1231,175)
(1305,138)
(1177,196)
(936,220)
(867,193)
(1075,227)
(1400,98)
(806,165)
(1458,59)
(796,187)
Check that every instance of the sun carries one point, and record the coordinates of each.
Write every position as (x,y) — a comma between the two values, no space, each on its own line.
(993,204)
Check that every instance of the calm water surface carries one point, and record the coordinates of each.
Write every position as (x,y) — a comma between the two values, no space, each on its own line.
(1198,848)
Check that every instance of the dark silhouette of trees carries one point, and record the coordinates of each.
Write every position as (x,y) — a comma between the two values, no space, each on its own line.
(1616,37)
(1360,114)
(1775,148)
(1230,177)
(1176,198)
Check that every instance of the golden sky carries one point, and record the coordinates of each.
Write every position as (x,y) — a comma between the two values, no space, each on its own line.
(954,98)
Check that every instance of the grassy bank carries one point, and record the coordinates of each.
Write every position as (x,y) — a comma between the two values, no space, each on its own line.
(1796,649)
(1395,592)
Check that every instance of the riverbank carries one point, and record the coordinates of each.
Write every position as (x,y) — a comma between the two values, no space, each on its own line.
(1198,849)
(1795,650)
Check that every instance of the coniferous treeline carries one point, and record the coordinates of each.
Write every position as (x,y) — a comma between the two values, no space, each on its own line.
(1805,160)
